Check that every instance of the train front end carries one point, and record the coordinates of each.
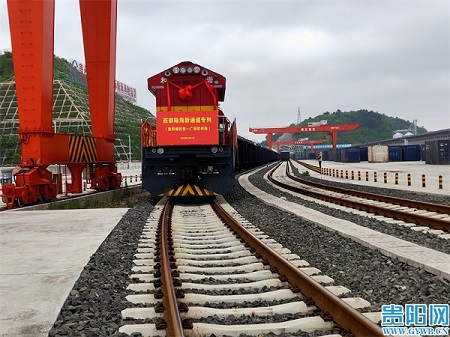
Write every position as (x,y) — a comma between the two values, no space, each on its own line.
(189,149)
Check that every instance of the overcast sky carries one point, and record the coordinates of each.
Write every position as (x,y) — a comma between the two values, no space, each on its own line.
(387,56)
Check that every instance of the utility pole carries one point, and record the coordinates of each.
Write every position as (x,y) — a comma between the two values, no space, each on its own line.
(129,149)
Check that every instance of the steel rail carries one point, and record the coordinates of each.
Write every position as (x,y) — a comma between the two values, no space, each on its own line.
(343,314)
(171,312)
(406,216)
(444,209)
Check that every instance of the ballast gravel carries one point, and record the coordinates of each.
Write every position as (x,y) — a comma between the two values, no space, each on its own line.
(93,307)
(421,238)
(367,273)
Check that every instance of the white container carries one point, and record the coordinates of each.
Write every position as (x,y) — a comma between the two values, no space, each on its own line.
(378,154)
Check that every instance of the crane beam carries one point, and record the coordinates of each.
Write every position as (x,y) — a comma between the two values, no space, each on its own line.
(299,142)
(331,129)
(32,29)
(32,38)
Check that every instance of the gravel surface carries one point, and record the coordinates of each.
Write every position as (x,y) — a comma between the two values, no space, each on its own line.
(424,239)
(367,273)
(94,305)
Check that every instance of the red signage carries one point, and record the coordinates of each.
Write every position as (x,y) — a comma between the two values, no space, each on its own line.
(122,89)
(187,127)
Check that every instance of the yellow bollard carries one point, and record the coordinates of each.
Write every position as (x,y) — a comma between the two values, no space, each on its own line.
(409,179)
(385,177)
(423,181)
(396,179)
(440,183)
(375,177)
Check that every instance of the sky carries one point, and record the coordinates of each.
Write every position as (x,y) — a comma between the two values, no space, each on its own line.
(279,56)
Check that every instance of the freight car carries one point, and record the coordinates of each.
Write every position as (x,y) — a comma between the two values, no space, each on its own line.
(250,155)
(285,155)
(193,149)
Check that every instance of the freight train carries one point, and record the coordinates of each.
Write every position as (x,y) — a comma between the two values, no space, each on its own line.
(191,148)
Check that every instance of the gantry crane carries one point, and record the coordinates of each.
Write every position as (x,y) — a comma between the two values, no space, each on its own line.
(299,142)
(32,37)
(330,129)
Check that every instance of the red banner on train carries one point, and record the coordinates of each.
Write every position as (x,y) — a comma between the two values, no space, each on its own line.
(187,127)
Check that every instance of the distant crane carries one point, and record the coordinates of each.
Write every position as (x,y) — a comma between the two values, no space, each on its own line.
(300,142)
(321,126)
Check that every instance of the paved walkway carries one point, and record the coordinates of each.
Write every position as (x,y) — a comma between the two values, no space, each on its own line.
(415,169)
(42,254)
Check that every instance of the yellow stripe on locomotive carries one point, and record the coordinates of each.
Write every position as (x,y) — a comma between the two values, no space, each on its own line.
(189,190)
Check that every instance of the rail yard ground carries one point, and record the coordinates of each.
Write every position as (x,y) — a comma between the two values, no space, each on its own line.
(94,288)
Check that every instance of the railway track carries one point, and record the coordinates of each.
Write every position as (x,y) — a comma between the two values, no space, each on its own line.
(421,213)
(202,270)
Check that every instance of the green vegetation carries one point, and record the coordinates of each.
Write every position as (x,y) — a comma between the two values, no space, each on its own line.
(6,66)
(70,112)
(8,145)
(127,117)
(373,126)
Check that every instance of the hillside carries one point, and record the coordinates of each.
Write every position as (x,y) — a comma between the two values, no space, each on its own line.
(70,112)
(6,66)
(373,126)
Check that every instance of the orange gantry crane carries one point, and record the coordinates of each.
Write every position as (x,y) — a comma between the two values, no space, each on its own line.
(299,142)
(330,129)
(32,37)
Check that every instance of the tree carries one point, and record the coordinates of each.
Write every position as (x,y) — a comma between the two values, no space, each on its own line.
(6,66)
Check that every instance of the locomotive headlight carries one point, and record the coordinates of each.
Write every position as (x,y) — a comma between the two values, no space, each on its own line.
(210,169)
(153,150)
(221,149)
(196,69)
(189,70)
(214,149)
(176,70)
(182,70)
(160,150)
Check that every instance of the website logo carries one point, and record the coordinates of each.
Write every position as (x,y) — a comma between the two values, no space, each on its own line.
(415,319)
